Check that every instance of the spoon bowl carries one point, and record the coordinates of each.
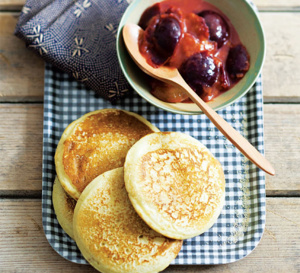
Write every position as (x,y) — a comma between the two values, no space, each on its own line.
(131,33)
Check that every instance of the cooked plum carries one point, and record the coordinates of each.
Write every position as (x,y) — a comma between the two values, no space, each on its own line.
(237,63)
(161,37)
(199,71)
(167,34)
(167,92)
(148,14)
(197,39)
(218,28)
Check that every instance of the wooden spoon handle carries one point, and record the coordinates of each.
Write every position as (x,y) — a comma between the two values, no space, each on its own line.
(228,131)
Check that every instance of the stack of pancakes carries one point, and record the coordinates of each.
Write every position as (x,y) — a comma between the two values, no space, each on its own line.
(129,194)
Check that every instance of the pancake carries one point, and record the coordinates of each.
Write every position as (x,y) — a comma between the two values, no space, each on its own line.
(175,184)
(96,143)
(110,234)
(64,207)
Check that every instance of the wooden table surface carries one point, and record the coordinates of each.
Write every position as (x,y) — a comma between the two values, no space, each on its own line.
(23,245)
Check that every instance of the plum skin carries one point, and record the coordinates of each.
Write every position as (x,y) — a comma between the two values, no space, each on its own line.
(199,70)
(161,37)
(148,14)
(218,28)
(237,63)
(167,34)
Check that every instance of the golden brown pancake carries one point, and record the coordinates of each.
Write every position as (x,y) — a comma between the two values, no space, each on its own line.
(175,184)
(64,207)
(96,143)
(110,234)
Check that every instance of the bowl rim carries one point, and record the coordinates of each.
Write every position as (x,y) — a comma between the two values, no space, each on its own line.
(261,60)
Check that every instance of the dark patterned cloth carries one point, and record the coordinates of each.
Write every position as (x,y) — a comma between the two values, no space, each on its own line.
(79,37)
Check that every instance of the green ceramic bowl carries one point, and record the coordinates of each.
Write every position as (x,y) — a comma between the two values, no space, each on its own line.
(248,26)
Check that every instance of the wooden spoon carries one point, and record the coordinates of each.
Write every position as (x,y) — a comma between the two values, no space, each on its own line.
(131,34)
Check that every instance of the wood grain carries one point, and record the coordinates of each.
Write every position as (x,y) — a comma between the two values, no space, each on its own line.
(21,71)
(280,73)
(24,247)
(277,5)
(282,145)
(21,148)
(11,4)
(21,143)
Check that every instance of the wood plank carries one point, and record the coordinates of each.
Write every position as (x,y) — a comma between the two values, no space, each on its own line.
(277,4)
(24,245)
(282,145)
(280,73)
(21,70)
(11,4)
(21,143)
(21,147)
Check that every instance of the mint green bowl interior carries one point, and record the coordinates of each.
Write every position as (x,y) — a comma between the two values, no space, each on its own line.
(249,28)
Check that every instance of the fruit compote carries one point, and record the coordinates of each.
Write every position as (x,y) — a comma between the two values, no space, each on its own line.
(197,39)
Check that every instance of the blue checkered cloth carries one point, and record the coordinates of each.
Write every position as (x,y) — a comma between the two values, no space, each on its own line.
(240,226)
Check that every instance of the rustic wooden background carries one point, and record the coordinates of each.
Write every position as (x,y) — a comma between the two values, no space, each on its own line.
(23,246)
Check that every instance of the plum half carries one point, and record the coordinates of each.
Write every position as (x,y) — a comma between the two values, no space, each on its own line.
(161,37)
(199,71)
(218,28)
(237,63)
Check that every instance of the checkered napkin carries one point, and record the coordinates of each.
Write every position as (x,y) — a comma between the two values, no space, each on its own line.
(241,223)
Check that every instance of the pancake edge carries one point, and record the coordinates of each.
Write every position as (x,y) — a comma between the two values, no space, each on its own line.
(88,191)
(56,200)
(58,158)
(147,214)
